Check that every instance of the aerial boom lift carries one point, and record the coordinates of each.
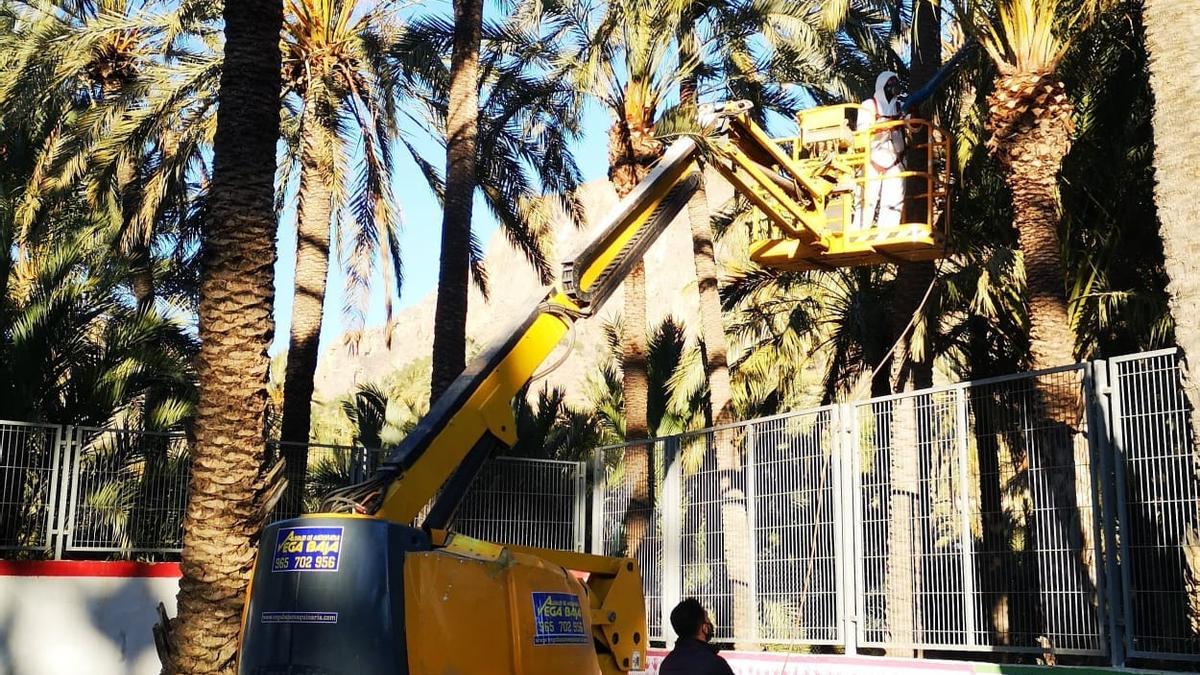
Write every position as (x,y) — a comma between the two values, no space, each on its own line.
(359,590)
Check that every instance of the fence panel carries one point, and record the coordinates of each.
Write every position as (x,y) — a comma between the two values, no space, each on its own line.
(526,502)
(128,491)
(794,495)
(977,516)
(29,469)
(910,507)
(714,537)
(744,522)
(625,521)
(1158,498)
(1038,556)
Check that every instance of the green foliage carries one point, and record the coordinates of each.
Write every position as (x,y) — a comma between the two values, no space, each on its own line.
(99,97)
(1117,285)
(73,351)
(676,389)
(549,428)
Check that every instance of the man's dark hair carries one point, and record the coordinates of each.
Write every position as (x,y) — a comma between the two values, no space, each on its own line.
(687,617)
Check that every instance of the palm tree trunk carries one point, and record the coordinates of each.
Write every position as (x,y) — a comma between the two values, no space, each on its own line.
(462,131)
(639,462)
(912,368)
(630,158)
(1031,121)
(226,508)
(735,524)
(1031,148)
(142,276)
(715,349)
(1171,29)
(138,255)
(312,268)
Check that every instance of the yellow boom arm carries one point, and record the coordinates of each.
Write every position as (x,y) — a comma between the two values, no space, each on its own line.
(441,457)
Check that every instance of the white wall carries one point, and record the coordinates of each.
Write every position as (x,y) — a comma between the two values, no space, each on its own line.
(81,625)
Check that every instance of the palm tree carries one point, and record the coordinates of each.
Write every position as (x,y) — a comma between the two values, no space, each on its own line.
(119,84)
(1030,121)
(622,61)
(914,370)
(548,427)
(524,120)
(344,107)
(1170,32)
(462,135)
(677,389)
(89,73)
(715,348)
(230,493)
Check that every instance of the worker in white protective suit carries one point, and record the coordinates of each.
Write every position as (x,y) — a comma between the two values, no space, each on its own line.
(883,202)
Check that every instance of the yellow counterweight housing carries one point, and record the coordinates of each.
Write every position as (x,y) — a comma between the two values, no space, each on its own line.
(481,609)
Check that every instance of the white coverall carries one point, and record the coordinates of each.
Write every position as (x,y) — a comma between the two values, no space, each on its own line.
(884,201)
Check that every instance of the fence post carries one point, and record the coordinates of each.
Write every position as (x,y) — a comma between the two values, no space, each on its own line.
(1116,402)
(752,527)
(579,539)
(1101,425)
(845,452)
(69,497)
(358,463)
(597,515)
(671,504)
(59,484)
(964,490)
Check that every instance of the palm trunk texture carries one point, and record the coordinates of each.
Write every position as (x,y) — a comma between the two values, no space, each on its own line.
(911,368)
(1171,30)
(229,492)
(1031,125)
(312,269)
(735,524)
(1031,121)
(632,152)
(462,132)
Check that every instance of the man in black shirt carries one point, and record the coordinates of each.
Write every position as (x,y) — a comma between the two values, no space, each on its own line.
(693,655)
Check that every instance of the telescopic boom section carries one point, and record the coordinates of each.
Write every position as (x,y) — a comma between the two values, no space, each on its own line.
(444,453)
(452,442)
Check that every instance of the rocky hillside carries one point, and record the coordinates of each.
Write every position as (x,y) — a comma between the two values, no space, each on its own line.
(515,289)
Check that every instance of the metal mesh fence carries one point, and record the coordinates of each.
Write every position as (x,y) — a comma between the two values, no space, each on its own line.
(29,458)
(526,503)
(744,521)
(794,486)
(75,490)
(911,564)
(976,518)
(1159,495)
(622,523)
(714,542)
(128,491)
(1037,523)
(957,518)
